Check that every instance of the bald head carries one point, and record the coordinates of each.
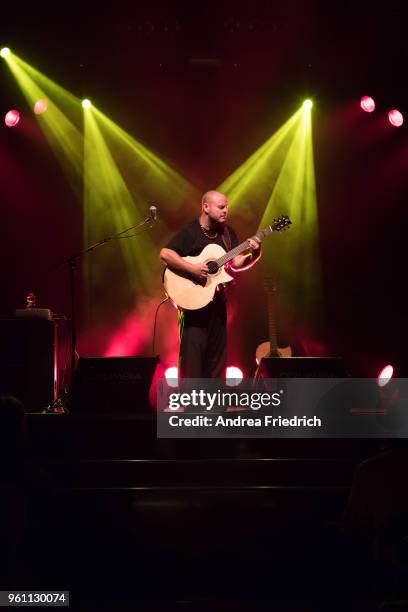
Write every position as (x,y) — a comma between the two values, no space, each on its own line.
(212,195)
(214,206)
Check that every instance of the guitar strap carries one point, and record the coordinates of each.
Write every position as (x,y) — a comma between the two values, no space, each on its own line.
(226,238)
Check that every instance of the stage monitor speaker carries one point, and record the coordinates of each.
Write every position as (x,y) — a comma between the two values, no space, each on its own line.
(111,385)
(301,367)
(28,361)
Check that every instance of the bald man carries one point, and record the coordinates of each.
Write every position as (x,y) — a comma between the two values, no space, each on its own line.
(203,332)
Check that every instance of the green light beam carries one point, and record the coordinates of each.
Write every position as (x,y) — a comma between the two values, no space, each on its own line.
(62,135)
(253,181)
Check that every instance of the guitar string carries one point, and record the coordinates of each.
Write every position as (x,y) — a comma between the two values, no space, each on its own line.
(241,247)
(244,245)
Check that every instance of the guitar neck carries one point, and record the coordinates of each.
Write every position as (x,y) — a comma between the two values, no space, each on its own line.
(221,261)
(273,336)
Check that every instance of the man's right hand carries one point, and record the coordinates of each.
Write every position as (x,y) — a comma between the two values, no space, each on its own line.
(199,272)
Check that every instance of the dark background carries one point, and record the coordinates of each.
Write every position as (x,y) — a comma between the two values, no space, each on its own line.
(204,86)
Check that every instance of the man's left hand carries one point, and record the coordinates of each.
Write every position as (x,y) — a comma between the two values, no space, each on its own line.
(254,243)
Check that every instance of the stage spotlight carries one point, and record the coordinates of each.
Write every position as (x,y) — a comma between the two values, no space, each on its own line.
(307,104)
(385,375)
(395,117)
(234,376)
(171,376)
(5,52)
(86,103)
(40,106)
(367,104)
(12,118)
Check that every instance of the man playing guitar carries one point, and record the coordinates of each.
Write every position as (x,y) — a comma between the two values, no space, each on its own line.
(203,330)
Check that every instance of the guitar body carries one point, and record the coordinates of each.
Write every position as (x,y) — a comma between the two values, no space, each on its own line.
(188,293)
(266,350)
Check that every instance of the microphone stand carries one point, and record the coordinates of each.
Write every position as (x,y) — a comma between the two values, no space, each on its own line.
(72,262)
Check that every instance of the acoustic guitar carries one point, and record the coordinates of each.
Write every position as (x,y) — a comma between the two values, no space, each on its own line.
(190,294)
(271,348)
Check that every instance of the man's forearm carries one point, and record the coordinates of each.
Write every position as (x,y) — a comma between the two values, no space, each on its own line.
(174,261)
(248,259)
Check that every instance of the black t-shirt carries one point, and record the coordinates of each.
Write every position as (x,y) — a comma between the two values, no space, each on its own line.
(190,240)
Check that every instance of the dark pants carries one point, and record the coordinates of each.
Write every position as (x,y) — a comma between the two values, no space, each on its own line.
(203,340)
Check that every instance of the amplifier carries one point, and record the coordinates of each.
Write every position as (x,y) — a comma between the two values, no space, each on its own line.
(34,313)
(112,385)
(301,367)
(28,361)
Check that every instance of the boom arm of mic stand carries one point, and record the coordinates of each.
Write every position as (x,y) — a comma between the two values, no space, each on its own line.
(135,227)
(72,263)
(73,259)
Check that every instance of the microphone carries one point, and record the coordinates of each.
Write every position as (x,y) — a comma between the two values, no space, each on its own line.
(153,212)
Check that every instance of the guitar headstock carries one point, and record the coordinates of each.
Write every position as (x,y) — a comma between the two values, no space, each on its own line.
(281,224)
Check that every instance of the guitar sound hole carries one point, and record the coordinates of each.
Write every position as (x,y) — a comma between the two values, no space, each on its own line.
(212,267)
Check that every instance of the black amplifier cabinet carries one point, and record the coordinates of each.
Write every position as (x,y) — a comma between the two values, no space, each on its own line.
(28,361)
(108,385)
(301,367)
